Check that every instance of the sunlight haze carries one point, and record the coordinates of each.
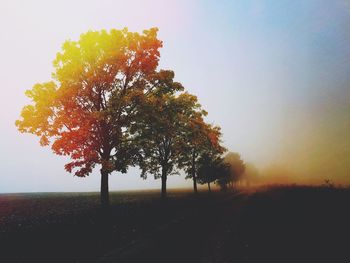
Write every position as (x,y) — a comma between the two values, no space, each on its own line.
(275,75)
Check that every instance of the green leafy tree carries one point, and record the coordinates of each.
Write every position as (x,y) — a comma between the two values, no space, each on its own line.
(201,139)
(160,131)
(85,111)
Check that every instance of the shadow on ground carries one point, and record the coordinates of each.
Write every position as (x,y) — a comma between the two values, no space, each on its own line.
(284,224)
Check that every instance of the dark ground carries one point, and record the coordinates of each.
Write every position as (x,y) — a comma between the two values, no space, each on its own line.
(283,224)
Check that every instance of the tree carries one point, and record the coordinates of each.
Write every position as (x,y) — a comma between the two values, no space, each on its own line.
(201,138)
(236,167)
(84,112)
(161,128)
(211,168)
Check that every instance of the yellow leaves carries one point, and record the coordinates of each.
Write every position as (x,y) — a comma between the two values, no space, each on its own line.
(106,85)
(41,93)
(99,79)
(101,54)
(26,115)
(35,118)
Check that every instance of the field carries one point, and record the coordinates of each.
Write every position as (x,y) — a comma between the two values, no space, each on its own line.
(279,224)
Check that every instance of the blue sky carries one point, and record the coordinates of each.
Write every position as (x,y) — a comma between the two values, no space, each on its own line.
(275,75)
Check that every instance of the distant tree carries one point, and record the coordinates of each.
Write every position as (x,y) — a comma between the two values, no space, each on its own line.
(87,107)
(212,168)
(161,128)
(237,168)
(201,139)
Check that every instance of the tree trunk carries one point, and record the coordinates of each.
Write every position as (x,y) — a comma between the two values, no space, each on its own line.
(164,178)
(209,187)
(194,171)
(104,188)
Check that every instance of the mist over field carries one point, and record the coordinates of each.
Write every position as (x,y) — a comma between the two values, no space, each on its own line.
(315,143)
(129,125)
(274,75)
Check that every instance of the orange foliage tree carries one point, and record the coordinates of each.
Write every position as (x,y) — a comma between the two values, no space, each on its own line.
(84,112)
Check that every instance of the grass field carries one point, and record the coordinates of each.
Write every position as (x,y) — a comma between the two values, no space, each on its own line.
(281,224)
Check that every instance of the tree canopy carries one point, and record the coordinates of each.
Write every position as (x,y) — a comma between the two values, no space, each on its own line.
(201,139)
(236,168)
(212,168)
(85,110)
(161,130)
(109,105)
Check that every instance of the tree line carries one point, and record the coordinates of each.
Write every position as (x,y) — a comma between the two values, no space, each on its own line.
(108,105)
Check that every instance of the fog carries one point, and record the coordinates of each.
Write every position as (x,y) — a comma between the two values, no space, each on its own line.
(274,75)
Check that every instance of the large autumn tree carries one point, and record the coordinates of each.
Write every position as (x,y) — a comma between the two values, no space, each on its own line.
(160,133)
(85,110)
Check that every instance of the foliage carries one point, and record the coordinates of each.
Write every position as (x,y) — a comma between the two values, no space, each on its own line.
(201,139)
(85,110)
(211,168)
(236,164)
(108,105)
(234,173)
(160,131)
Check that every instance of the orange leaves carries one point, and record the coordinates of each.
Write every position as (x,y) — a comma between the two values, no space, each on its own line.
(86,110)
(44,141)
(204,137)
(85,167)
(107,101)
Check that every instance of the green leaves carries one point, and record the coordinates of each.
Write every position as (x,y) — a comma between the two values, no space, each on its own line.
(108,105)
(161,128)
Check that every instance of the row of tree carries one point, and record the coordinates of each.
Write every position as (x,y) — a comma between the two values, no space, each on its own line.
(108,105)
(227,172)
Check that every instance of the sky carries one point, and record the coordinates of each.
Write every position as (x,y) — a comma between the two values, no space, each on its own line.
(275,75)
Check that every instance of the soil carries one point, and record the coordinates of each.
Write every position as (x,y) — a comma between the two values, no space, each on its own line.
(277,224)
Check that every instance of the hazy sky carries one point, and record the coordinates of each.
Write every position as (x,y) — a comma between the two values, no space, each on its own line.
(275,75)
